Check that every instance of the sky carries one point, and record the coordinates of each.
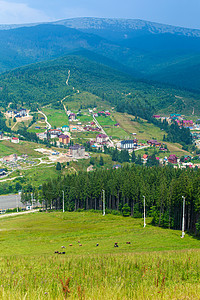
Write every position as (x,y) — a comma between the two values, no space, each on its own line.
(184,13)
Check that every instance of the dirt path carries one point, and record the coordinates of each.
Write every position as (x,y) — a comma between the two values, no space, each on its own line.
(9,179)
(48,124)
(19,213)
(67,81)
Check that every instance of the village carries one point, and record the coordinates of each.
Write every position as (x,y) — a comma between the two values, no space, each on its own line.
(88,127)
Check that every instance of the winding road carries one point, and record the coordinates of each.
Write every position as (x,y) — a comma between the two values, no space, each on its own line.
(48,124)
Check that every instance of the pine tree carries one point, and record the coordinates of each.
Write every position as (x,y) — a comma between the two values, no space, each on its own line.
(101,161)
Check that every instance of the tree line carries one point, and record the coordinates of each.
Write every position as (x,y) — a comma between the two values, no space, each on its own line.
(125,187)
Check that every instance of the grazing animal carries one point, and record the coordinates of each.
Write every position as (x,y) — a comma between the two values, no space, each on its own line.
(116,245)
(128,243)
(59,253)
(70,244)
(80,244)
(63,252)
(97,245)
(56,252)
(63,247)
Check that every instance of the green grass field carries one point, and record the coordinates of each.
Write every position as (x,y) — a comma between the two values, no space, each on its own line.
(108,125)
(84,100)
(144,131)
(158,264)
(56,117)
(7,148)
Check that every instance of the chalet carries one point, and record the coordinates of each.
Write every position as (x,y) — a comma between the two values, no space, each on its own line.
(154,143)
(101,138)
(75,128)
(129,144)
(90,128)
(145,156)
(156,116)
(23,112)
(72,117)
(77,151)
(172,159)
(54,133)
(65,128)
(15,140)
(64,139)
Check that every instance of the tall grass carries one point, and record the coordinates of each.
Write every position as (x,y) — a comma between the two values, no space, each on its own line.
(157,275)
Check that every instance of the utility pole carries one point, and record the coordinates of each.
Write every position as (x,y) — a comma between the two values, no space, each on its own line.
(104,204)
(183,222)
(17,203)
(63,201)
(144,213)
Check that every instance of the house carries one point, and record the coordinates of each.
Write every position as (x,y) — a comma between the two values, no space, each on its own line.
(101,138)
(3,172)
(77,151)
(64,139)
(129,144)
(9,158)
(65,128)
(145,156)
(54,133)
(42,136)
(15,140)
(172,159)
(72,117)
(154,143)
(75,128)
(22,112)
(116,125)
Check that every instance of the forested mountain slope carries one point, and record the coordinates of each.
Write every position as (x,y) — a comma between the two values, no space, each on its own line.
(148,50)
(45,83)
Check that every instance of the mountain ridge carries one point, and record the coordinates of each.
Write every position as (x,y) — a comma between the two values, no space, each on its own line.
(97,23)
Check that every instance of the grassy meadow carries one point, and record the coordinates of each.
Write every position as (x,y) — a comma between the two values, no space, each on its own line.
(157,264)
(56,117)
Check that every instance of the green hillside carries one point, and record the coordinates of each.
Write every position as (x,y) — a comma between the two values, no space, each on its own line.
(144,49)
(157,264)
(44,83)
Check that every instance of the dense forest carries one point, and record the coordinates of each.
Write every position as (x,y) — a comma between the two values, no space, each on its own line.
(45,83)
(125,187)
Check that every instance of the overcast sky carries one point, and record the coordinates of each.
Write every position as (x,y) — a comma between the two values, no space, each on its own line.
(183,13)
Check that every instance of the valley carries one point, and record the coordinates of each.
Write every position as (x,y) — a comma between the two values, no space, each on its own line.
(100,135)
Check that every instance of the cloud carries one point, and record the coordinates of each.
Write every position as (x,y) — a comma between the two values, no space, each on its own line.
(18,13)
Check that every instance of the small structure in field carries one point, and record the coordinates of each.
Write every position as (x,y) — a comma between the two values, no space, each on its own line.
(15,140)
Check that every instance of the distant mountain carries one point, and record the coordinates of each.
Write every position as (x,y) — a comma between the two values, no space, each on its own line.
(144,49)
(114,25)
